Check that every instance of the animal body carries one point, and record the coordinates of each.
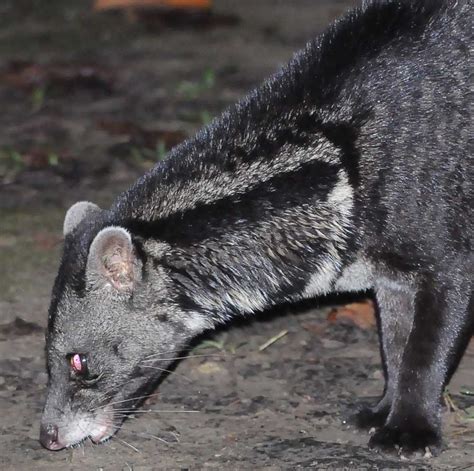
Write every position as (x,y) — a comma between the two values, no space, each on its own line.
(350,169)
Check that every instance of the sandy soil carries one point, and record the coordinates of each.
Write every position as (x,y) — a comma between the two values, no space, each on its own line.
(109,93)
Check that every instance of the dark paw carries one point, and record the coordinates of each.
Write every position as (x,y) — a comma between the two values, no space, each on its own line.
(406,440)
(369,417)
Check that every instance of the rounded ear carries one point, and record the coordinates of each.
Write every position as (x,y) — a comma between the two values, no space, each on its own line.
(76,213)
(112,260)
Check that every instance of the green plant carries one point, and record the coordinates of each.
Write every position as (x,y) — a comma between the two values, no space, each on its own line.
(205,117)
(192,89)
(38,96)
(12,159)
(53,159)
(143,155)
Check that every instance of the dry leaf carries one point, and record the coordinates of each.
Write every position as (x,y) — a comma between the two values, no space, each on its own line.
(361,314)
(119,4)
(140,136)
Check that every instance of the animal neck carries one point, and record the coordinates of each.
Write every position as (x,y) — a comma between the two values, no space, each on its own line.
(285,241)
(252,218)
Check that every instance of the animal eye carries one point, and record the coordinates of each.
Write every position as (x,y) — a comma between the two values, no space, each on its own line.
(78,363)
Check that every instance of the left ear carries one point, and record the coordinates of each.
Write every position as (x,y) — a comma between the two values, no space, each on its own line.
(76,213)
(112,260)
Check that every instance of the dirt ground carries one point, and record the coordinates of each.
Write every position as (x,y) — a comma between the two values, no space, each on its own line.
(88,102)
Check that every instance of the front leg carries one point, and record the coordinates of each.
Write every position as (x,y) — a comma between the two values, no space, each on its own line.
(395,305)
(441,329)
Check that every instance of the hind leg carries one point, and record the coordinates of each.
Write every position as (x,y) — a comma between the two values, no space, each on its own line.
(442,326)
(395,302)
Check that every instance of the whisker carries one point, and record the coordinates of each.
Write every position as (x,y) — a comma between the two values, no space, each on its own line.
(147,435)
(124,400)
(156,358)
(166,352)
(168,371)
(158,411)
(102,396)
(128,444)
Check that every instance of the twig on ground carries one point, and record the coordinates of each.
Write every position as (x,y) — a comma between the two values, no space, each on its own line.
(272,340)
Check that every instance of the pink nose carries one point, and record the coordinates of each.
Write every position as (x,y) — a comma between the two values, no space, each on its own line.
(49,437)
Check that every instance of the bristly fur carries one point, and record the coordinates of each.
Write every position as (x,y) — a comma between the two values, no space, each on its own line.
(350,169)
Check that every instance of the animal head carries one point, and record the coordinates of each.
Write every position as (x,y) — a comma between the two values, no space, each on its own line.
(114,325)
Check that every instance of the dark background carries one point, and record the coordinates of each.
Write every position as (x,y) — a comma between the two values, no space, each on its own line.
(89,101)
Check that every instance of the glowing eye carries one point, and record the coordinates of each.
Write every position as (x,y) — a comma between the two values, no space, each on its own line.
(78,363)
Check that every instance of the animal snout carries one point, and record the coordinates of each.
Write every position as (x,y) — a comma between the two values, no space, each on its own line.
(49,437)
